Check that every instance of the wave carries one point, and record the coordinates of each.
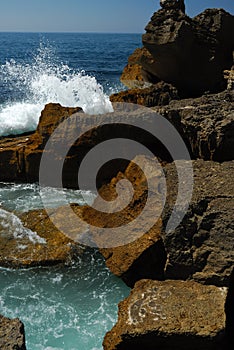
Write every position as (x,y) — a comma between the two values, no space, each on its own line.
(42,81)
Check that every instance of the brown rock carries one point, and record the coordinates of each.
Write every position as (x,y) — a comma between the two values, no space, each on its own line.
(134,75)
(169,315)
(229,309)
(200,248)
(34,240)
(206,124)
(12,336)
(159,94)
(190,54)
(136,252)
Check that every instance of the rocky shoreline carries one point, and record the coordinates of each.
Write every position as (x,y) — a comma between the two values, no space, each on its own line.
(182,281)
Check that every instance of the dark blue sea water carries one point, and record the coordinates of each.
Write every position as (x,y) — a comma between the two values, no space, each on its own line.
(68,68)
(63,308)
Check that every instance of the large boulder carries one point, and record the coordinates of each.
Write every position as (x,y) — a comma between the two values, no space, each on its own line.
(12,336)
(229,308)
(206,124)
(169,315)
(191,54)
(200,248)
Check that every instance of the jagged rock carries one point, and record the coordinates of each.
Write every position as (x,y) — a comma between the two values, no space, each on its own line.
(206,124)
(200,248)
(12,336)
(144,256)
(134,75)
(34,240)
(229,76)
(173,5)
(159,94)
(169,315)
(191,54)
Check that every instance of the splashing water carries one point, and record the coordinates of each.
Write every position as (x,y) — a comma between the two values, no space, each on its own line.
(12,227)
(43,81)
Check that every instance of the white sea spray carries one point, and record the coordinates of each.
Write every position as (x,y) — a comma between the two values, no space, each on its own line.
(42,81)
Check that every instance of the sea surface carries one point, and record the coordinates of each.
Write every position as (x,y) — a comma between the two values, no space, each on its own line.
(63,308)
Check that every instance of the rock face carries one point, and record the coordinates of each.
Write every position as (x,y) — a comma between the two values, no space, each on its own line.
(159,94)
(12,335)
(200,248)
(206,125)
(134,75)
(34,240)
(20,156)
(191,54)
(169,315)
(144,256)
(229,308)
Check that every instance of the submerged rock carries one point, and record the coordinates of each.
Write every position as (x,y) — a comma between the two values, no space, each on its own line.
(12,336)
(169,315)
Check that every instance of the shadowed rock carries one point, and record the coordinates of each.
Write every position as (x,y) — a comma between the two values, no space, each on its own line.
(12,336)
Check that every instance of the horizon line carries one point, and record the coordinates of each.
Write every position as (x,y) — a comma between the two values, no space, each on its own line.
(65,32)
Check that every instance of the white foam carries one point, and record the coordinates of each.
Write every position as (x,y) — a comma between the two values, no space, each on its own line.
(11,226)
(44,81)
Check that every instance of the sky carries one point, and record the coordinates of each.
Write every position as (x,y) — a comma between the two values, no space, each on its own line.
(126,16)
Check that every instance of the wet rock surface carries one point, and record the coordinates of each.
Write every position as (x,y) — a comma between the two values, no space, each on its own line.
(12,336)
(33,240)
(169,315)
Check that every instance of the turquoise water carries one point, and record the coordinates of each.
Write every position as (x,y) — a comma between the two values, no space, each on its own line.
(63,308)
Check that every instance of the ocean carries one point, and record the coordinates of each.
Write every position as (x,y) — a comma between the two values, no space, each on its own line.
(67,68)
(63,308)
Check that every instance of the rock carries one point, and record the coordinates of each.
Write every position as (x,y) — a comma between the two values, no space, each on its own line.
(12,336)
(206,124)
(201,247)
(190,54)
(134,75)
(229,76)
(144,256)
(229,309)
(173,5)
(34,240)
(159,94)
(20,156)
(169,315)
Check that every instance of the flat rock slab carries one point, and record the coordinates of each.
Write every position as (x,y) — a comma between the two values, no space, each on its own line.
(12,336)
(169,315)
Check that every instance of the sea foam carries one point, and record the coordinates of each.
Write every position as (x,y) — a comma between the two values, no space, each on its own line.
(11,226)
(42,81)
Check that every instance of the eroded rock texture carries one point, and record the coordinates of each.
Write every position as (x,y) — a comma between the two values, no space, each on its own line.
(12,336)
(169,315)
